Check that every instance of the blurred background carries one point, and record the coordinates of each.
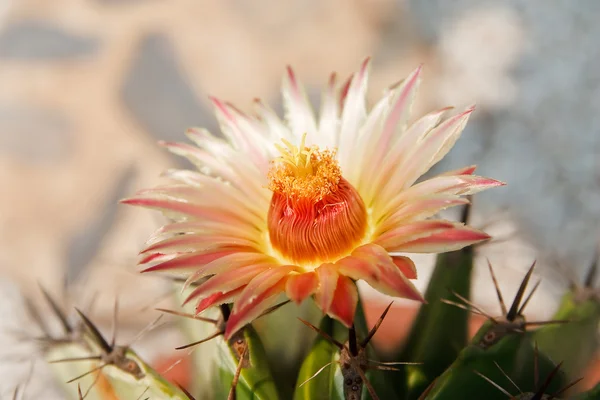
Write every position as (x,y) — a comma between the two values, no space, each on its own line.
(87,87)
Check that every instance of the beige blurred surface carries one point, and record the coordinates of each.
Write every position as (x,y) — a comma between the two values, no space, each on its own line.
(58,178)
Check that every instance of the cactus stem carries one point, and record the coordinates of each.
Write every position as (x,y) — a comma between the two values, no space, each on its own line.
(225,311)
(352,341)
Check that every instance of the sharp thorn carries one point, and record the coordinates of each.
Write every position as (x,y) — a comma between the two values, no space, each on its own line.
(97,336)
(512,313)
(462,306)
(187,346)
(187,315)
(500,388)
(316,373)
(144,392)
(569,386)
(87,373)
(185,391)
(273,308)
(508,377)
(74,359)
(114,324)
(373,330)
(471,304)
(57,311)
(320,332)
(498,291)
(540,392)
(522,308)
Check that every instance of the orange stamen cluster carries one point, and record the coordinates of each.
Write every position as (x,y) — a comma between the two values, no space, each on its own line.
(315,215)
(304,172)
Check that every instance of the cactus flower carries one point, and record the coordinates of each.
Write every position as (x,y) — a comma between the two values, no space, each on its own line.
(311,204)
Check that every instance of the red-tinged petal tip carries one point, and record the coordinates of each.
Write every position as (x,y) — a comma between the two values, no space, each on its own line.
(292,77)
(345,299)
(406,266)
(299,286)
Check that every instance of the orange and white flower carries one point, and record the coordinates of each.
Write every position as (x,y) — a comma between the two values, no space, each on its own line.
(309,205)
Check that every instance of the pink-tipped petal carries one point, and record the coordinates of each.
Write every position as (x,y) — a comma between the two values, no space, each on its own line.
(259,295)
(181,208)
(192,260)
(354,111)
(448,240)
(216,299)
(298,111)
(261,283)
(194,242)
(412,231)
(406,266)
(299,286)
(229,262)
(328,279)
(374,265)
(226,281)
(470,170)
(345,299)
(419,210)
(399,112)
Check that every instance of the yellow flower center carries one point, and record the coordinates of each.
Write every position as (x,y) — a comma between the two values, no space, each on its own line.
(315,215)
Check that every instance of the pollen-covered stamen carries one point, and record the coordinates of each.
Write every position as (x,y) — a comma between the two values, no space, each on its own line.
(315,215)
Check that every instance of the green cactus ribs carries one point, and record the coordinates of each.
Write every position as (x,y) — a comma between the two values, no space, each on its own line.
(242,360)
(352,365)
(502,349)
(80,354)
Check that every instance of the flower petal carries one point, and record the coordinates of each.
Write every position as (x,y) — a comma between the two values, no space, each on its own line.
(227,281)
(228,262)
(328,279)
(298,111)
(354,111)
(192,260)
(374,265)
(216,299)
(418,210)
(406,266)
(442,241)
(256,297)
(299,286)
(345,299)
(411,231)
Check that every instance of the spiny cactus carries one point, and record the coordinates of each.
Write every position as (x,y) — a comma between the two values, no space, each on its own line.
(265,222)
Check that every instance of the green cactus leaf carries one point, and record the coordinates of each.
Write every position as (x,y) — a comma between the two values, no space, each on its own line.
(574,343)
(437,348)
(255,379)
(320,377)
(512,356)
